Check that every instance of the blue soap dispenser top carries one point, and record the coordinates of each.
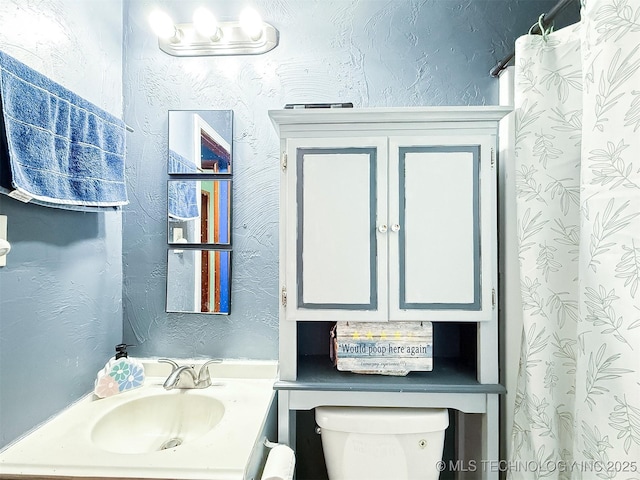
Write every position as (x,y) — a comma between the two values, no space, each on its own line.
(120,374)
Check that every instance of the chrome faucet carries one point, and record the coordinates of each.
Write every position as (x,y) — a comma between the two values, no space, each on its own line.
(185,376)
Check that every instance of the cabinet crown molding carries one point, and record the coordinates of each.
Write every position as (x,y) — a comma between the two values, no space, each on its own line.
(394,115)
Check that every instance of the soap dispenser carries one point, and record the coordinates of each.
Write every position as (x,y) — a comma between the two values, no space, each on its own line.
(120,374)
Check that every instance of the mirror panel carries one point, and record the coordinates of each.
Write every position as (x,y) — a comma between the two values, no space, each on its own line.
(199,211)
(199,281)
(200,142)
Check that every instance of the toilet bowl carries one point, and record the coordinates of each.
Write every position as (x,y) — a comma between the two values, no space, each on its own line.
(362,443)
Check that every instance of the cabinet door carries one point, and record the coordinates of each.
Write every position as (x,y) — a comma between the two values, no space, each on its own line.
(441,212)
(336,208)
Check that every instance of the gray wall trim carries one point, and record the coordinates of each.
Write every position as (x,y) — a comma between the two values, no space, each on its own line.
(373,269)
(476,304)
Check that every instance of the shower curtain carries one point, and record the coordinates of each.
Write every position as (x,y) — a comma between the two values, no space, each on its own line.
(577,152)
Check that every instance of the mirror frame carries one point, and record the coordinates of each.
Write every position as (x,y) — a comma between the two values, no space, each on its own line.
(215,208)
(184,165)
(202,298)
(187,154)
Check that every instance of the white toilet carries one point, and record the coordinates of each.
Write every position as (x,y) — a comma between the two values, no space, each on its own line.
(362,443)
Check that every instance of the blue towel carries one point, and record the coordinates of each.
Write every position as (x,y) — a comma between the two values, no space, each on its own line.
(179,164)
(183,194)
(57,149)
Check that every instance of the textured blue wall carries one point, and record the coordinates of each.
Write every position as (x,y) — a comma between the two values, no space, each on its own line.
(61,291)
(369,52)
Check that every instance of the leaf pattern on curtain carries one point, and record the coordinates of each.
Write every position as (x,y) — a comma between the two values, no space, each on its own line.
(577,150)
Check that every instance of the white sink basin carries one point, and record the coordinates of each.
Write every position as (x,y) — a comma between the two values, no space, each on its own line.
(158,422)
(149,432)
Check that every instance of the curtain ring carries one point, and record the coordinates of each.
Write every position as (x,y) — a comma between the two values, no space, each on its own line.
(534,26)
(541,25)
(543,31)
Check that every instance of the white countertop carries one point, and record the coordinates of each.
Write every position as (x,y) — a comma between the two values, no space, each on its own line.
(64,447)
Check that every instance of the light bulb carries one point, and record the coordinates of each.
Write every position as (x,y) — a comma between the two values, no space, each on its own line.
(206,24)
(251,23)
(163,26)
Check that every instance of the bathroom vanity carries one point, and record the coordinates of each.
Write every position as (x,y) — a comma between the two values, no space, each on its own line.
(212,433)
(389,214)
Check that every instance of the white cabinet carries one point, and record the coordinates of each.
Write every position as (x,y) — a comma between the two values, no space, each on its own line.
(388,214)
(336,260)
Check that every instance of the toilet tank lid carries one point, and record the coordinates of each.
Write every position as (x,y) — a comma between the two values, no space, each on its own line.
(382,420)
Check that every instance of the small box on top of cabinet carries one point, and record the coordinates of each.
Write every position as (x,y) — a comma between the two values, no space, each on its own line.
(394,348)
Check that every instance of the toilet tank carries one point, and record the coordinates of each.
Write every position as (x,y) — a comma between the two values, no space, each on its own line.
(362,443)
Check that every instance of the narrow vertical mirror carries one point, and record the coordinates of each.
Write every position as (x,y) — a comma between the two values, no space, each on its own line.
(199,211)
(200,142)
(199,281)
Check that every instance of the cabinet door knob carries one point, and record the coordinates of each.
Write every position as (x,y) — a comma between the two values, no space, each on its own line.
(382,228)
(395,227)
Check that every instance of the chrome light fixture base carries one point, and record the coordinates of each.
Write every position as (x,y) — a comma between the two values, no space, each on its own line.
(232,40)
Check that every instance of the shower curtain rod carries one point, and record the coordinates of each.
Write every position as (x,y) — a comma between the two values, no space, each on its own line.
(546,18)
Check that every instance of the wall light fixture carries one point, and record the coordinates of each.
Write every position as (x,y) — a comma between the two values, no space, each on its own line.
(206,36)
